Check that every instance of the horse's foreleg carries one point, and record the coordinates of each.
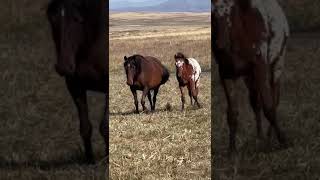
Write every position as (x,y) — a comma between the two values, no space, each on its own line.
(80,99)
(136,103)
(150,99)
(144,94)
(262,79)
(255,103)
(104,127)
(182,97)
(232,112)
(156,90)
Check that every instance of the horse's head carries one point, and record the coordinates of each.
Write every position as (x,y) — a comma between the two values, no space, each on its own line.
(221,17)
(180,62)
(67,20)
(131,66)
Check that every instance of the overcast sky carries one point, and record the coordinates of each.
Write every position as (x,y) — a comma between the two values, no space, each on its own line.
(136,3)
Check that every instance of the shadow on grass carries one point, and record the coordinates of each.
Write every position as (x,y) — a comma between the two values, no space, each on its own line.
(69,160)
(160,110)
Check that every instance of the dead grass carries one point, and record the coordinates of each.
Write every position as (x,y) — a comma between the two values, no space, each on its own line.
(167,144)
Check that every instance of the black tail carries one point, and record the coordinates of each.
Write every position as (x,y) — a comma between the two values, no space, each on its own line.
(165,75)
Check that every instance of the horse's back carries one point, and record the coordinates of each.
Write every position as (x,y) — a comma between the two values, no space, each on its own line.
(155,70)
(196,68)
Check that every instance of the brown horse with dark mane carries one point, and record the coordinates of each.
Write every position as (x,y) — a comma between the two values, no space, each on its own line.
(79,33)
(188,73)
(145,73)
(249,40)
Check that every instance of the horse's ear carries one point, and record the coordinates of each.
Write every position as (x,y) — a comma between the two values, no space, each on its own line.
(175,56)
(186,61)
(125,58)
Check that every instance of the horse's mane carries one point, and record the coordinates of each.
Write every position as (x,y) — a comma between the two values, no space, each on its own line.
(180,55)
(136,60)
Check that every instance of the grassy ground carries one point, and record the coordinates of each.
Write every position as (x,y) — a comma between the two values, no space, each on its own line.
(167,144)
(39,126)
(298,116)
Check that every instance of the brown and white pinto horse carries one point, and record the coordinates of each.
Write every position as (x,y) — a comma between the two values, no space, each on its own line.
(188,73)
(248,40)
(145,73)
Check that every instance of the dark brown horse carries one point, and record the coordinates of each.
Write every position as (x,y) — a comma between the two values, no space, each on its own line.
(145,73)
(188,73)
(249,40)
(79,33)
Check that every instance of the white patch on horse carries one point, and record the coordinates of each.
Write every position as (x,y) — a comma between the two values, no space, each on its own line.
(277,29)
(179,64)
(196,70)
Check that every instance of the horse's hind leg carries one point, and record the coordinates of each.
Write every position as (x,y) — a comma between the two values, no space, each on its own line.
(255,103)
(194,93)
(268,101)
(80,99)
(232,112)
(155,92)
(276,99)
(150,100)
(136,103)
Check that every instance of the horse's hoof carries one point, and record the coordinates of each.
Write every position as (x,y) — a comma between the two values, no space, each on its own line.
(136,112)
(146,111)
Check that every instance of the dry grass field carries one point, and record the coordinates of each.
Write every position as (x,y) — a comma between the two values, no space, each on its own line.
(167,144)
(299,117)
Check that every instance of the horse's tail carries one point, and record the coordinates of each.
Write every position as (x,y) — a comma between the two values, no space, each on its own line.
(165,75)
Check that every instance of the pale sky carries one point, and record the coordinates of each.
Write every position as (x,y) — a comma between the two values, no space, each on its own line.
(138,3)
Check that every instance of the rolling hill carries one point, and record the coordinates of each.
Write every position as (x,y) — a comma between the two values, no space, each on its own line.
(170,6)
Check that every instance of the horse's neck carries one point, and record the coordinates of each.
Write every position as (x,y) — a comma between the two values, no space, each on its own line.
(247,27)
(187,69)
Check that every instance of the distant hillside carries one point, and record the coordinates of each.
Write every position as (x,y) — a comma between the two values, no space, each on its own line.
(172,6)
